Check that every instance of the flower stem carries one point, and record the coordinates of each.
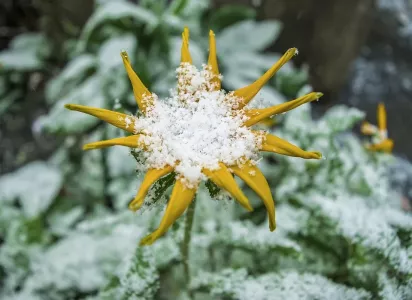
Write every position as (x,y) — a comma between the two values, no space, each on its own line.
(186,240)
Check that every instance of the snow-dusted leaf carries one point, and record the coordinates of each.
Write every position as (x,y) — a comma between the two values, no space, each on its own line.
(71,76)
(245,235)
(35,186)
(85,261)
(109,53)
(139,281)
(115,11)
(341,118)
(34,41)
(247,36)
(8,100)
(61,119)
(19,60)
(230,14)
(24,53)
(236,284)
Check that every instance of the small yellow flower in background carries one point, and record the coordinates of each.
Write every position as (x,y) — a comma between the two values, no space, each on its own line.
(380,142)
(200,132)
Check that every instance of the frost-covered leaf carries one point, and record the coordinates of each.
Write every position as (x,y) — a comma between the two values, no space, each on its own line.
(25,53)
(85,260)
(8,100)
(245,235)
(390,289)
(61,119)
(359,224)
(19,60)
(139,281)
(35,41)
(73,74)
(341,118)
(239,36)
(115,11)
(236,284)
(35,186)
(243,61)
(109,53)
(230,14)
(62,221)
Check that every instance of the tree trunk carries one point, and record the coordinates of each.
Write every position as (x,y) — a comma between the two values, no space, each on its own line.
(328,33)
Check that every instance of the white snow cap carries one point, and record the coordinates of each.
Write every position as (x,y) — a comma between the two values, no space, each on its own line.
(196,127)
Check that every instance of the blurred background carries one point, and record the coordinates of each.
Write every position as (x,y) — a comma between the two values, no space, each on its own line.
(358,53)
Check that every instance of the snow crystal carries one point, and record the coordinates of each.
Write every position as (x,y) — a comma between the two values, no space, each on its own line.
(196,127)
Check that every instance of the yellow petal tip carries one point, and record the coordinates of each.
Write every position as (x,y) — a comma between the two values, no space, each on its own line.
(124,55)
(292,51)
(89,147)
(185,33)
(316,155)
(135,205)
(318,95)
(69,106)
(149,239)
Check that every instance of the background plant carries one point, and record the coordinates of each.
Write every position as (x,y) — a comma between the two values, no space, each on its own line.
(64,226)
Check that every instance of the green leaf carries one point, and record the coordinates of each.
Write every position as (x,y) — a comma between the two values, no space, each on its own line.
(8,100)
(19,60)
(212,188)
(25,53)
(61,119)
(140,281)
(341,118)
(159,188)
(35,186)
(237,284)
(247,36)
(76,71)
(291,82)
(109,52)
(230,14)
(177,6)
(114,12)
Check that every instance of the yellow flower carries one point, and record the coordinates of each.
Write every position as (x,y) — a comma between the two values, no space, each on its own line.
(381,141)
(200,133)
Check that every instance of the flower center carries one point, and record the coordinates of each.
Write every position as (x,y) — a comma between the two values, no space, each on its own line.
(195,127)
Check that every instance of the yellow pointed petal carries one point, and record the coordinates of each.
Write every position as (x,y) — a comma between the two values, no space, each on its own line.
(179,200)
(152,175)
(247,93)
(268,122)
(254,178)
(368,128)
(257,115)
(185,56)
(212,61)
(384,146)
(382,117)
(128,141)
(275,144)
(141,93)
(115,118)
(224,179)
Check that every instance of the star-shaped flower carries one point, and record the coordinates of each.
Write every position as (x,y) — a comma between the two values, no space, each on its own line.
(380,141)
(200,132)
